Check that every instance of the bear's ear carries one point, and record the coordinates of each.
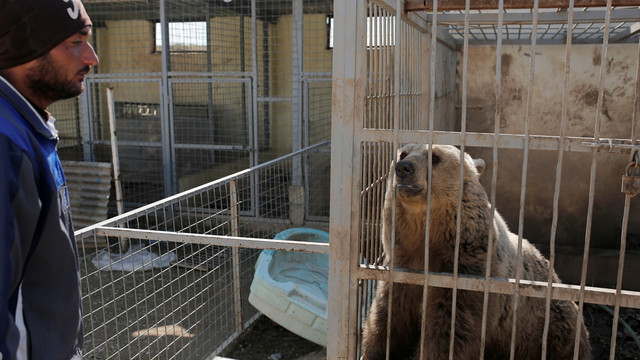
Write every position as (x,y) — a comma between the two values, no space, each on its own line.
(479,163)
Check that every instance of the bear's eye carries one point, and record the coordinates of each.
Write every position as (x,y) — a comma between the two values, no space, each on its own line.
(403,155)
(435,159)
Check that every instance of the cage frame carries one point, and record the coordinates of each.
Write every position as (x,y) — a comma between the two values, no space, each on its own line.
(349,113)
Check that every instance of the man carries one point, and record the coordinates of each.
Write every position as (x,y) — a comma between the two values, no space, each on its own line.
(44,56)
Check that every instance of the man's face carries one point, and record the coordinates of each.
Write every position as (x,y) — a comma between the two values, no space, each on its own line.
(60,73)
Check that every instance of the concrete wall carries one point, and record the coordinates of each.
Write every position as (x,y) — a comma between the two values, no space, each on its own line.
(545,116)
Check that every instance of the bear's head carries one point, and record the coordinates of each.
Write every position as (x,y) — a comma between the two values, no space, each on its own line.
(411,173)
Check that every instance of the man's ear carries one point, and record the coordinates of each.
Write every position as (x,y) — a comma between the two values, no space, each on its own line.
(479,163)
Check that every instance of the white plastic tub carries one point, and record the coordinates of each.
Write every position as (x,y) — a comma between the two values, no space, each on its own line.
(291,288)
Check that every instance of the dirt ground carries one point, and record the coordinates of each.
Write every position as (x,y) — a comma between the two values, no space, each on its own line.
(599,322)
(266,340)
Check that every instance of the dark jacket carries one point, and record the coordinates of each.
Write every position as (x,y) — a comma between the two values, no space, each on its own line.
(40,295)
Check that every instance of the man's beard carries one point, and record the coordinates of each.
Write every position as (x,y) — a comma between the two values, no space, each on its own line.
(46,82)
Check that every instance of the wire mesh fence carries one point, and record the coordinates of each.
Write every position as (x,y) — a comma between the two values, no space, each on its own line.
(201,90)
(171,280)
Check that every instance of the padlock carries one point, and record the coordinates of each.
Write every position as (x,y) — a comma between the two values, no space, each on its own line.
(631,183)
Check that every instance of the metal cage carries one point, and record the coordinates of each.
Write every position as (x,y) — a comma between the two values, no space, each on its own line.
(529,87)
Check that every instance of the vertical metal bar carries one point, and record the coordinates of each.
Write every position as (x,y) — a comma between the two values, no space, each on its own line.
(366,180)
(115,159)
(396,118)
(432,94)
(237,279)
(623,246)
(166,108)
(558,180)
(210,113)
(379,62)
(636,103)
(421,80)
(413,76)
(494,177)
(297,127)
(378,196)
(362,301)
(246,123)
(379,51)
(407,93)
(425,78)
(525,165)
(360,94)
(463,129)
(634,138)
(401,60)
(596,135)
(254,130)
(388,82)
(627,200)
(349,65)
(370,117)
(603,71)
(306,117)
(255,149)
(373,204)
(168,141)
(305,111)
(592,175)
(86,122)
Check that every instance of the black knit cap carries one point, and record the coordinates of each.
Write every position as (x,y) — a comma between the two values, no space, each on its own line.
(31,28)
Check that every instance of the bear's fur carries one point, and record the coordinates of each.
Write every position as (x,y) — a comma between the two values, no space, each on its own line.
(409,181)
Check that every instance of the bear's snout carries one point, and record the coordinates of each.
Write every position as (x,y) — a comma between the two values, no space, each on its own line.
(404,169)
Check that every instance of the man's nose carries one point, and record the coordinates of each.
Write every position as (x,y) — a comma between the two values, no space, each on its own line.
(90,57)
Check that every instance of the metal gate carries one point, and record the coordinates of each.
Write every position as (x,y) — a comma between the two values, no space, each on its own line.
(545,92)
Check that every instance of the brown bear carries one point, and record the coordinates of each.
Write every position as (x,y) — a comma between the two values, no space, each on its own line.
(409,181)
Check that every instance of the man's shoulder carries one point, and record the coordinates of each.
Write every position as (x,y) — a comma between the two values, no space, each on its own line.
(22,115)
(13,128)
(10,116)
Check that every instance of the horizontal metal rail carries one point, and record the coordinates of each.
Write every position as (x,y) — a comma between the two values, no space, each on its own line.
(157,144)
(505,141)
(187,238)
(537,289)
(592,16)
(427,5)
